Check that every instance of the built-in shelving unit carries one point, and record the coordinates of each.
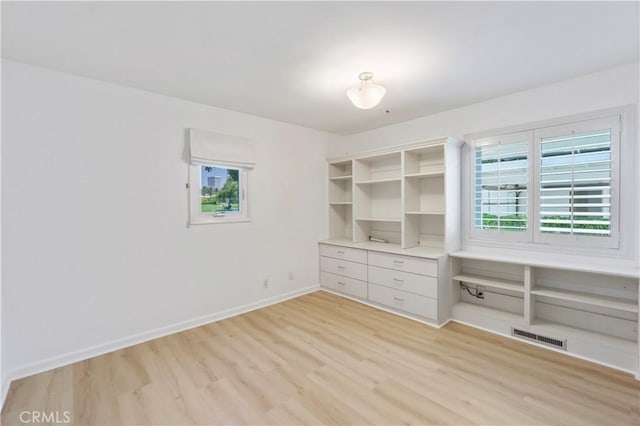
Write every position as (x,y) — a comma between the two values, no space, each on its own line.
(341,199)
(591,306)
(408,195)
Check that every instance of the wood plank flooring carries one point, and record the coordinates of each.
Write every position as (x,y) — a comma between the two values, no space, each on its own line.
(322,359)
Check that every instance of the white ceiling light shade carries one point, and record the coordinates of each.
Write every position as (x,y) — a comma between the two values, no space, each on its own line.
(368,94)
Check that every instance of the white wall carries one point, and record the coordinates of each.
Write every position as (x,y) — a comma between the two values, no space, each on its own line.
(610,88)
(3,381)
(96,248)
(614,87)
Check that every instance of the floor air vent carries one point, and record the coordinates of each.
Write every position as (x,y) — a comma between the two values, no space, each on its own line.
(550,341)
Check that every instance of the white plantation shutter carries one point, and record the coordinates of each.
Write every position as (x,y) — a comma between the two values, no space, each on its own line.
(576,180)
(557,185)
(501,185)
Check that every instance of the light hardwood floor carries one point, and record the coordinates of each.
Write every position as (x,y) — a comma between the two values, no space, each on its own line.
(322,359)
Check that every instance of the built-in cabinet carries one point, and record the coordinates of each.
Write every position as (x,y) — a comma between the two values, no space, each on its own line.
(408,197)
(404,284)
(587,310)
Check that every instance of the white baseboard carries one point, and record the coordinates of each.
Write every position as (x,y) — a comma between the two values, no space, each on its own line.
(83,354)
(4,390)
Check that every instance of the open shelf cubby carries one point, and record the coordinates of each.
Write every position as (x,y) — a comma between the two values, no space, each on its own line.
(384,167)
(425,162)
(593,302)
(501,283)
(424,230)
(340,170)
(424,195)
(340,191)
(340,221)
(378,202)
(387,230)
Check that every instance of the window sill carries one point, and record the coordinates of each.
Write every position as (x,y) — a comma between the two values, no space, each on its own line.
(211,220)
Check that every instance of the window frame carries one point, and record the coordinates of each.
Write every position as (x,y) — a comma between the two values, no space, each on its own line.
(613,240)
(626,206)
(197,217)
(502,236)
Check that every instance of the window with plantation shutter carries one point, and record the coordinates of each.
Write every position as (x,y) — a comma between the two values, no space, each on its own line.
(554,185)
(575,180)
(501,185)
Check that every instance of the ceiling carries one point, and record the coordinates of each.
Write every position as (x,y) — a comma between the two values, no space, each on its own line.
(293,61)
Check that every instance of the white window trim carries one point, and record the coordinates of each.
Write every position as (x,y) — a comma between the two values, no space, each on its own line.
(196,217)
(628,206)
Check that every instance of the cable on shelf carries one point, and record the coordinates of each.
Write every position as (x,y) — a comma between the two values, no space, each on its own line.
(476,293)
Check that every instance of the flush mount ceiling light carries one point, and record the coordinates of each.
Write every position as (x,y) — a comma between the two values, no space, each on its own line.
(368,94)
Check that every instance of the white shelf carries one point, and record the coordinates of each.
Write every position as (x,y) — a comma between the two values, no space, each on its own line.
(594,300)
(461,311)
(376,181)
(419,251)
(424,175)
(426,213)
(337,203)
(379,219)
(555,261)
(340,177)
(491,282)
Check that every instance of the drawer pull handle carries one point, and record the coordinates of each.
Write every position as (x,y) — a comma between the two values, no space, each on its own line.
(341,283)
(340,267)
(398,299)
(398,280)
(340,252)
(399,262)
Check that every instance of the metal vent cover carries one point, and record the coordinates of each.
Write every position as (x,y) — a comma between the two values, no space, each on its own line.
(545,340)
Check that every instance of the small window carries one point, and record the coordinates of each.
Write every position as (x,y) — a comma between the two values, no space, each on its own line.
(219,190)
(218,194)
(218,177)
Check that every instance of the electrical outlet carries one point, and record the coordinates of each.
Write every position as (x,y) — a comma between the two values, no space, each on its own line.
(290,275)
(480,292)
(265,283)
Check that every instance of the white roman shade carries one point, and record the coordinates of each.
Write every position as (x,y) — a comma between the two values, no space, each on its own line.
(216,149)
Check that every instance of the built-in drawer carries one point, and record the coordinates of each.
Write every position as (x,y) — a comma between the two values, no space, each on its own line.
(405,281)
(415,265)
(345,253)
(344,284)
(409,302)
(354,270)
